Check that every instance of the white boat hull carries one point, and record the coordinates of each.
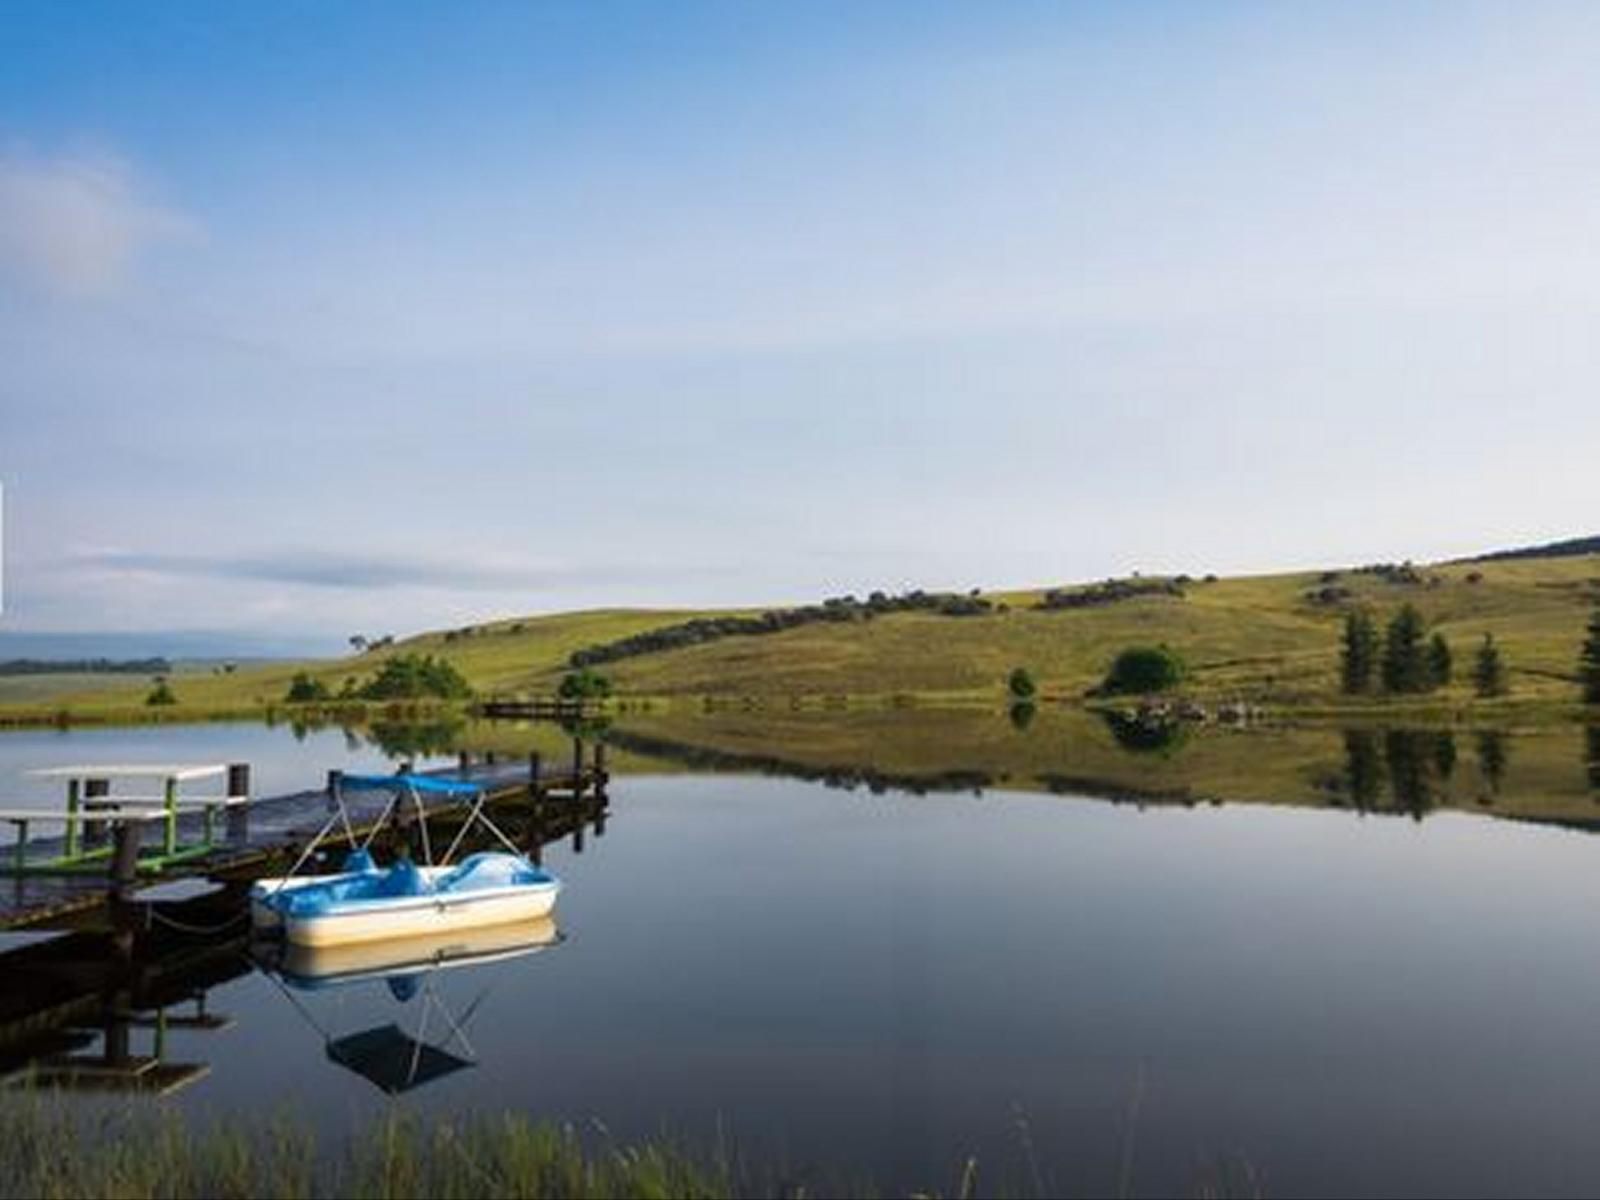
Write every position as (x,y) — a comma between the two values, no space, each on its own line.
(429,914)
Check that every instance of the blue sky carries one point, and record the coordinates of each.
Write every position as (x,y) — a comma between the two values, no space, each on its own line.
(325,318)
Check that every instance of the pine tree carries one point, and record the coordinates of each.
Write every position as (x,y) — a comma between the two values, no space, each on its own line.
(1589,661)
(1359,655)
(1405,668)
(1488,672)
(1441,665)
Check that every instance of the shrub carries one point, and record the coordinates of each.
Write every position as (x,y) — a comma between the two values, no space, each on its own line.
(1021,684)
(1141,669)
(1112,591)
(305,690)
(837,609)
(161,693)
(414,677)
(584,685)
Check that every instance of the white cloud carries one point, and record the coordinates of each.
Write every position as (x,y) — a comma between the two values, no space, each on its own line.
(73,224)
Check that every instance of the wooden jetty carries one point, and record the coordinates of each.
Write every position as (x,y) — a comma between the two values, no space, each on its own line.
(92,1009)
(537,708)
(74,879)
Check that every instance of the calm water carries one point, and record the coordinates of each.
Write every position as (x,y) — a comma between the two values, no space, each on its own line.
(880,985)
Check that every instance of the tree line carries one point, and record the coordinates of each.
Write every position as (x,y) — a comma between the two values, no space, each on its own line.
(1406,661)
(835,609)
(85,666)
(404,677)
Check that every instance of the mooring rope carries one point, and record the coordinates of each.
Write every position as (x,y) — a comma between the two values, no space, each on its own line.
(198,930)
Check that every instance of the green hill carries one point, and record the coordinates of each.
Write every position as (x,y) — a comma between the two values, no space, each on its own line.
(1271,639)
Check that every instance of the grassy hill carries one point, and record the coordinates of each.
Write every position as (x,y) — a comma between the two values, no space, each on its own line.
(1272,639)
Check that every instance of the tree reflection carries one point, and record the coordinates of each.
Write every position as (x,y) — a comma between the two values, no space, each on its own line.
(1492,755)
(1444,755)
(1022,714)
(1410,756)
(1145,735)
(590,728)
(416,739)
(1362,767)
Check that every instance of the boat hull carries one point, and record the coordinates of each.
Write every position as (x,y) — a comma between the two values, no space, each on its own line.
(430,914)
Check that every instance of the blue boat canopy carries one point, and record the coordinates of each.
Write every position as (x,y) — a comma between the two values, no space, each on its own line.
(418,783)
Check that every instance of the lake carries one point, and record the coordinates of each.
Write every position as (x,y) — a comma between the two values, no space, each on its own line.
(864,982)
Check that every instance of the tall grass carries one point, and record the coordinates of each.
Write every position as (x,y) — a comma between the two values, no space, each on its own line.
(53,1149)
(54,1152)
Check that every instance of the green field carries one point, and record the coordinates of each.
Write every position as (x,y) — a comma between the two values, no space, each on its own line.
(1257,638)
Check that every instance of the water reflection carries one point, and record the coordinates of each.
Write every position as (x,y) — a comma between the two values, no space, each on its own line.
(1411,761)
(887,1021)
(1363,770)
(399,981)
(1143,733)
(96,1011)
(1146,758)
(1591,745)
(1492,755)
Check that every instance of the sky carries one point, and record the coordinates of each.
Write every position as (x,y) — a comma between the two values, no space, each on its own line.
(322,319)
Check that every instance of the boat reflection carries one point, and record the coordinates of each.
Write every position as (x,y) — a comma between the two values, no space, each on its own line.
(385,1054)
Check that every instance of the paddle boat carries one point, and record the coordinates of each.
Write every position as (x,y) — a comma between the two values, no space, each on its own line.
(364,902)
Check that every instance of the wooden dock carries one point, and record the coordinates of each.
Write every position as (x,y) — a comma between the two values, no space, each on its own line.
(91,1009)
(539,708)
(534,800)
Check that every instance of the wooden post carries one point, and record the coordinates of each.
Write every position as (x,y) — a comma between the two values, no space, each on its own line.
(238,814)
(20,850)
(463,762)
(93,790)
(74,794)
(169,839)
(577,767)
(334,778)
(534,768)
(116,1041)
(124,857)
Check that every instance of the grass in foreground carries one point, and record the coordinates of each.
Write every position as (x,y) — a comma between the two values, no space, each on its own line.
(54,1152)
(48,1151)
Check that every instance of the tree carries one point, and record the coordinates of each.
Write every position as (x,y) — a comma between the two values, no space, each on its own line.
(1488,672)
(1021,684)
(1143,669)
(303,689)
(1589,660)
(1359,654)
(161,693)
(585,685)
(358,642)
(1405,669)
(414,677)
(1441,665)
